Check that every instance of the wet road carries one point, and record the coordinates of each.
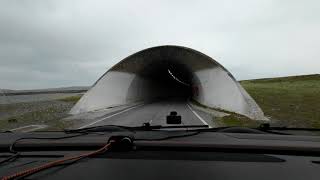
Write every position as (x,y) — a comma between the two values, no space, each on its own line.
(155,113)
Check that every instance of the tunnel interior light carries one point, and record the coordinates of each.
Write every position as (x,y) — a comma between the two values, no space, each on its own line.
(175,78)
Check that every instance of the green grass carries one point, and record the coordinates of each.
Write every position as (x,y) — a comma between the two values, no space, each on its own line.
(292,101)
(236,120)
(71,99)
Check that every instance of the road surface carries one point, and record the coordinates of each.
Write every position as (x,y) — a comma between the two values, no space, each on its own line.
(155,113)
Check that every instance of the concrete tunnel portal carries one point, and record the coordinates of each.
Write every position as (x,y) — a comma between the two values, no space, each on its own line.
(166,72)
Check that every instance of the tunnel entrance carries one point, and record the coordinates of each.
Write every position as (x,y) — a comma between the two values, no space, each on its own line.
(169,72)
(173,79)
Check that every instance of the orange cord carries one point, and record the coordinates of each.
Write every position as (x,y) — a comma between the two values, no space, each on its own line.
(54,163)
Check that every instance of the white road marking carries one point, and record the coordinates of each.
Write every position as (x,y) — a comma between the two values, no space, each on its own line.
(110,116)
(198,116)
(35,127)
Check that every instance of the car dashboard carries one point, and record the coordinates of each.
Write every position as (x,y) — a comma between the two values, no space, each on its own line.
(207,155)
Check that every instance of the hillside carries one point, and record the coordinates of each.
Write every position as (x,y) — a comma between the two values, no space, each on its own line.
(292,101)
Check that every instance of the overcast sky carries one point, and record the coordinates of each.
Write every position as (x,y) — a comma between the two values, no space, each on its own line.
(70,43)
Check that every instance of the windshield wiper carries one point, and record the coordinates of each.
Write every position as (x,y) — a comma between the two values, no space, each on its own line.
(268,127)
(144,127)
(239,129)
(104,128)
(147,126)
(262,129)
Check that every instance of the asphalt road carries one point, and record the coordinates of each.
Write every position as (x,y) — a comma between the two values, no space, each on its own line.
(155,113)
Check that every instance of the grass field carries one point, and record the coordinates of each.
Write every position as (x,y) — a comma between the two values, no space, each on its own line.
(290,101)
(43,112)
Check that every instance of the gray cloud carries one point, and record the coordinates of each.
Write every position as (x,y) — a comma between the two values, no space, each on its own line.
(64,43)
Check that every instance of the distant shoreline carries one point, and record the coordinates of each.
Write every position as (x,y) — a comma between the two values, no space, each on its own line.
(74,89)
(43,92)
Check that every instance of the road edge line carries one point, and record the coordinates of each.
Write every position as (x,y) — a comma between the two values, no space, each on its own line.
(198,116)
(125,110)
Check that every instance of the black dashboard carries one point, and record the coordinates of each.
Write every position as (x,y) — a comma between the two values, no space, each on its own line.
(207,155)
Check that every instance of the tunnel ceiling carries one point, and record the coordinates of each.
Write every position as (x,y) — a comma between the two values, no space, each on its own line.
(165,72)
(154,57)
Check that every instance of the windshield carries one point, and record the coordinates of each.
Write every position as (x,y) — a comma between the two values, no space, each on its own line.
(221,64)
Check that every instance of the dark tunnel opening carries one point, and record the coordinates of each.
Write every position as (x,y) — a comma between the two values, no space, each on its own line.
(175,80)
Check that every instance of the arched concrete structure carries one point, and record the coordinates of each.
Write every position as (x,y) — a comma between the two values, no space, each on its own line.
(169,71)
